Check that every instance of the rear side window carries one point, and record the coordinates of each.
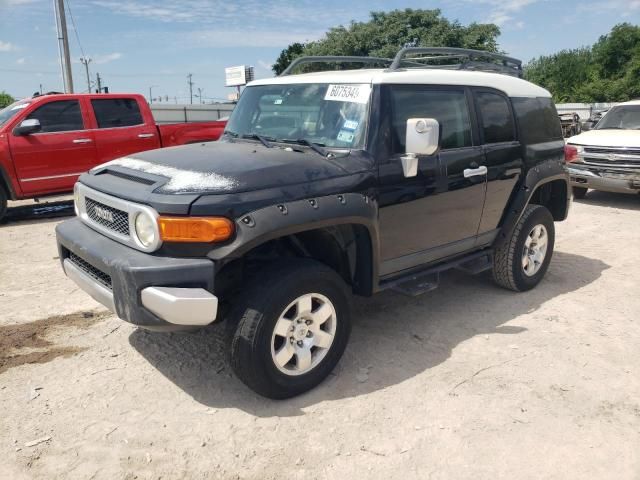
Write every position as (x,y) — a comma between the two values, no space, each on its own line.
(538,120)
(61,116)
(495,117)
(116,112)
(449,107)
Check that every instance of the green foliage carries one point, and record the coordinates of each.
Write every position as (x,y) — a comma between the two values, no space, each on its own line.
(5,99)
(386,32)
(609,71)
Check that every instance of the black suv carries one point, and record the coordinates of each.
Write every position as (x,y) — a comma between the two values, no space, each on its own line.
(326,185)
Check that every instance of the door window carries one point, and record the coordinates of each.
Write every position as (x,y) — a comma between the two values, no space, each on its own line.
(61,116)
(117,112)
(496,120)
(448,107)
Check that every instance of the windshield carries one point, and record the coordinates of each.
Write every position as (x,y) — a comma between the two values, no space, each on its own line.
(328,115)
(9,112)
(624,117)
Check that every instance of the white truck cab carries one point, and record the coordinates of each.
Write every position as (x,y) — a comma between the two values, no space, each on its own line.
(608,157)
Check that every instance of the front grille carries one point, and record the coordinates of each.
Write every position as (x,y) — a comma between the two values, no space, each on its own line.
(95,273)
(615,151)
(109,217)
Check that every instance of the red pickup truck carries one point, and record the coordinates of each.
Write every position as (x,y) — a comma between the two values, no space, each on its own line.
(46,142)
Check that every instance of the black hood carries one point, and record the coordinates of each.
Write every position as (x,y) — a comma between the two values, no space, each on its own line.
(171,179)
(231,167)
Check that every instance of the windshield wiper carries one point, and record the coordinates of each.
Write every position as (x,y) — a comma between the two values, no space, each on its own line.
(610,128)
(316,147)
(254,136)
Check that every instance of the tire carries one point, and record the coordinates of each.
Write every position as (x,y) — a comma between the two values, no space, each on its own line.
(3,202)
(509,270)
(579,192)
(279,294)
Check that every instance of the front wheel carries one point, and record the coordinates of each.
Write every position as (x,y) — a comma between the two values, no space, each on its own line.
(293,324)
(520,262)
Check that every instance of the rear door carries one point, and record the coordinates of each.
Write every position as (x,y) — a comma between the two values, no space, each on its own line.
(502,157)
(121,129)
(51,160)
(435,214)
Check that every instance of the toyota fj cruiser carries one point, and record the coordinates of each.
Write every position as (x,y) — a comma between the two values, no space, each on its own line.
(325,185)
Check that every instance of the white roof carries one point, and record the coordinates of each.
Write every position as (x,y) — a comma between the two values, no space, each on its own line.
(511,86)
(631,102)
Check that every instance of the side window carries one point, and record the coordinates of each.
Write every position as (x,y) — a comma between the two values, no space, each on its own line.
(496,119)
(117,112)
(61,116)
(538,120)
(449,107)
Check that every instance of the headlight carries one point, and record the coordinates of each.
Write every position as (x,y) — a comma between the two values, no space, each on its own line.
(76,199)
(145,226)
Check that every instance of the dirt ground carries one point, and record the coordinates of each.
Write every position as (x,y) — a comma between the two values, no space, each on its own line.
(467,381)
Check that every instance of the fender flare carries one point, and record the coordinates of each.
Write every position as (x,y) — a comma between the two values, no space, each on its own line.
(5,182)
(283,219)
(537,176)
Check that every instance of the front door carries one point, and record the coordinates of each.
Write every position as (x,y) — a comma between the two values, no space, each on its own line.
(51,160)
(435,214)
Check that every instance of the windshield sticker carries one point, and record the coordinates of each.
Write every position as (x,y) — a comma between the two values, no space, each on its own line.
(355,93)
(345,136)
(277,101)
(350,125)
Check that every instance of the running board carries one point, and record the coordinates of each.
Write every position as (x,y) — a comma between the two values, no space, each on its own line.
(422,281)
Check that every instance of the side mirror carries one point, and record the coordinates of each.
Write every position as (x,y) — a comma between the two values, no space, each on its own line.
(422,138)
(27,127)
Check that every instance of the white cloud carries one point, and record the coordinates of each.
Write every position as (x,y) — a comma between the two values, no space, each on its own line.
(264,64)
(503,10)
(21,61)
(6,46)
(102,59)
(251,38)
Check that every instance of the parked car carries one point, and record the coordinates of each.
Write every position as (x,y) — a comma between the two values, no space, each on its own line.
(324,185)
(608,157)
(46,142)
(570,123)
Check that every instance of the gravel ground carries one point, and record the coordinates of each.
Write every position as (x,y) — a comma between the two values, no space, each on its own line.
(467,381)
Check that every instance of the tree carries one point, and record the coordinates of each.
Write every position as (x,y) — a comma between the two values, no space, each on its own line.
(386,32)
(606,72)
(5,99)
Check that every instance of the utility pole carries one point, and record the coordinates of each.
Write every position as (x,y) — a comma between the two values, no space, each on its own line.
(190,87)
(150,94)
(85,61)
(99,82)
(63,45)
(40,89)
(200,95)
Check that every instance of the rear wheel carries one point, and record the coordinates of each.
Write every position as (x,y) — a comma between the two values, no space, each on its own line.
(291,326)
(520,263)
(579,192)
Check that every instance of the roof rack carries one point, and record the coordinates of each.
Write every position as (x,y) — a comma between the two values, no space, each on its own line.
(337,59)
(468,60)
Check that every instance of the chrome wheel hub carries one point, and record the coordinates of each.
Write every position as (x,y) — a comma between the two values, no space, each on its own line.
(535,250)
(303,334)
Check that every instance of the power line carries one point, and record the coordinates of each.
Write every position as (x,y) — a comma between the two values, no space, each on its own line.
(73,22)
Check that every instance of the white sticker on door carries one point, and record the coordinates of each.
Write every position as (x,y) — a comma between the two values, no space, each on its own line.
(355,93)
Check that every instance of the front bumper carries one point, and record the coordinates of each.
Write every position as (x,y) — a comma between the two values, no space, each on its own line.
(159,293)
(608,180)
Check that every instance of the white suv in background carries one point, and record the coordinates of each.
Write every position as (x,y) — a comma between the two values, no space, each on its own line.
(608,157)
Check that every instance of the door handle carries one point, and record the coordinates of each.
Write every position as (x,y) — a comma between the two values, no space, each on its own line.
(145,135)
(472,172)
(82,140)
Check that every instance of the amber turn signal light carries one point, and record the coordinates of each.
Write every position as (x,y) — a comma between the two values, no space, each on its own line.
(195,229)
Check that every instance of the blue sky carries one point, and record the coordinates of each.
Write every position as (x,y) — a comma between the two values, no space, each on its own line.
(135,44)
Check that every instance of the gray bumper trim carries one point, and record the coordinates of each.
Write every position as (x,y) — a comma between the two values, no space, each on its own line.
(99,293)
(181,306)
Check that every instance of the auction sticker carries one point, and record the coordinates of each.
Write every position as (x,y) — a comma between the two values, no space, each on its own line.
(355,93)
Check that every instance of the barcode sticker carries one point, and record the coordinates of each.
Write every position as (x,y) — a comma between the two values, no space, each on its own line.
(355,93)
